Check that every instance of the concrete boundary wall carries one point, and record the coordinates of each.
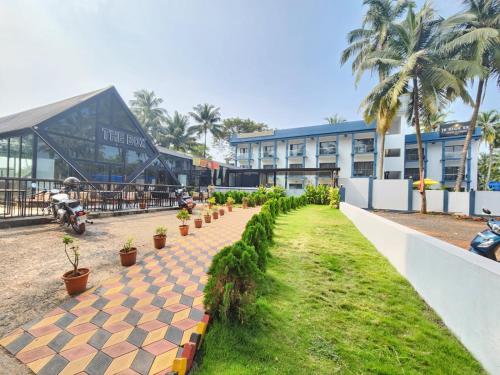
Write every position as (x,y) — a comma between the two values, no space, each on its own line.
(463,288)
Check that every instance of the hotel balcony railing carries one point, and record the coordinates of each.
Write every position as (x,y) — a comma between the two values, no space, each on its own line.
(327,151)
(452,155)
(296,153)
(268,155)
(244,157)
(363,149)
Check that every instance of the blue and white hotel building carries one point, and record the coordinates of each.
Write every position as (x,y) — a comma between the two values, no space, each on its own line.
(353,147)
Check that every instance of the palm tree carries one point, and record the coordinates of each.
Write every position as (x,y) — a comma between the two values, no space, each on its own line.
(179,136)
(207,116)
(416,68)
(373,36)
(474,34)
(489,122)
(432,121)
(335,119)
(146,107)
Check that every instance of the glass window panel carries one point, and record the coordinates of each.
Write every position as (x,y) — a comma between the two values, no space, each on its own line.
(15,145)
(328,148)
(104,110)
(362,146)
(110,154)
(133,160)
(121,120)
(392,152)
(363,169)
(50,165)
(27,155)
(4,150)
(80,122)
(74,148)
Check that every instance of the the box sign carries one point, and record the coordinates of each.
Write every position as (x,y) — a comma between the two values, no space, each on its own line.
(453,130)
(120,137)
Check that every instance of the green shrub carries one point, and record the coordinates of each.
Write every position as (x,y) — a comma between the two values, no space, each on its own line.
(267,222)
(317,195)
(256,236)
(334,195)
(275,192)
(251,201)
(232,280)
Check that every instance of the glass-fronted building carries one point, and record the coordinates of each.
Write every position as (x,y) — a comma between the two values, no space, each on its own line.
(94,137)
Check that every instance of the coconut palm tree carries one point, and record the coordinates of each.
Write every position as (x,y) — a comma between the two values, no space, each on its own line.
(416,68)
(179,135)
(335,119)
(474,34)
(207,116)
(146,107)
(489,122)
(432,121)
(373,36)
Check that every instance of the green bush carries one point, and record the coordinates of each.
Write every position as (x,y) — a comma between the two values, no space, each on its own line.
(251,201)
(275,192)
(334,195)
(232,280)
(317,195)
(256,236)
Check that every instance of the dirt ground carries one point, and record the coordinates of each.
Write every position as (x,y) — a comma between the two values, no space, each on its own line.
(458,232)
(33,261)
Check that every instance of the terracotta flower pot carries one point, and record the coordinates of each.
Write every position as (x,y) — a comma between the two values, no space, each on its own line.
(210,205)
(142,205)
(159,240)
(76,284)
(198,223)
(221,212)
(128,258)
(229,208)
(184,229)
(208,219)
(215,215)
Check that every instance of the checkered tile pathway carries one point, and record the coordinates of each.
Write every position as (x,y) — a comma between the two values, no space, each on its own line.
(134,323)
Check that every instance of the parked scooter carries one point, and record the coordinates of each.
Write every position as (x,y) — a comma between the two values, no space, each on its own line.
(184,200)
(487,242)
(65,210)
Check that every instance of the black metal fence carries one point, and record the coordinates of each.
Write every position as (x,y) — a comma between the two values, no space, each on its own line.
(25,197)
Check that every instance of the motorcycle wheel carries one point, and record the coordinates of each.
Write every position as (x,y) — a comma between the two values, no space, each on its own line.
(79,229)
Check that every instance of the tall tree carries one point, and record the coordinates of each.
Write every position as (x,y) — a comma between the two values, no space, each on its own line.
(474,34)
(373,36)
(483,165)
(208,117)
(179,136)
(146,107)
(489,122)
(335,119)
(432,121)
(418,69)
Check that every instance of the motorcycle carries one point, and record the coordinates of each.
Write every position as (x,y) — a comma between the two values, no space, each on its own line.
(184,200)
(65,210)
(487,242)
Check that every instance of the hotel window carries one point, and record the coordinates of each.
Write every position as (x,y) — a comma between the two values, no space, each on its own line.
(328,148)
(363,146)
(326,173)
(297,173)
(363,169)
(295,186)
(412,173)
(450,173)
(392,175)
(268,166)
(392,152)
(411,154)
(268,151)
(296,149)
(453,152)
(243,153)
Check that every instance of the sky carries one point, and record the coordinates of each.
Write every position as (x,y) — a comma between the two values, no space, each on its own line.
(275,61)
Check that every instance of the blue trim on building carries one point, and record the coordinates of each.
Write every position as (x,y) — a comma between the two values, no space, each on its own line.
(443,162)
(375,152)
(468,167)
(410,194)
(370,193)
(435,137)
(472,201)
(352,155)
(275,153)
(337,151)
(445,201)
(260,153)
(425,159)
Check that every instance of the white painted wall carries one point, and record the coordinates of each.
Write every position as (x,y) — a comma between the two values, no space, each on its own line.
(489,200)
(344,150)
(435,200)
(434,154)
(458,202)
(390,194)
(356,192)
(463,288)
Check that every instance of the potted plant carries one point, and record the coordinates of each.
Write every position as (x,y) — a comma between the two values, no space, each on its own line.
(76,279)
(183,216)
(245,202)
(198,221)
(142,204)
(208,218)
(211,202)
(229,204)
(215,213)
(160,237)
(221,211)
(128,253)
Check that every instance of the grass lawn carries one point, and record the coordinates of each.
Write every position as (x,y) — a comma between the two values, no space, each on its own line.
(332,304)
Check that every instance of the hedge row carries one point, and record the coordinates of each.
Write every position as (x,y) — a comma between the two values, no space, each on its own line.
(258,197)
(322,194)
(236,269)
